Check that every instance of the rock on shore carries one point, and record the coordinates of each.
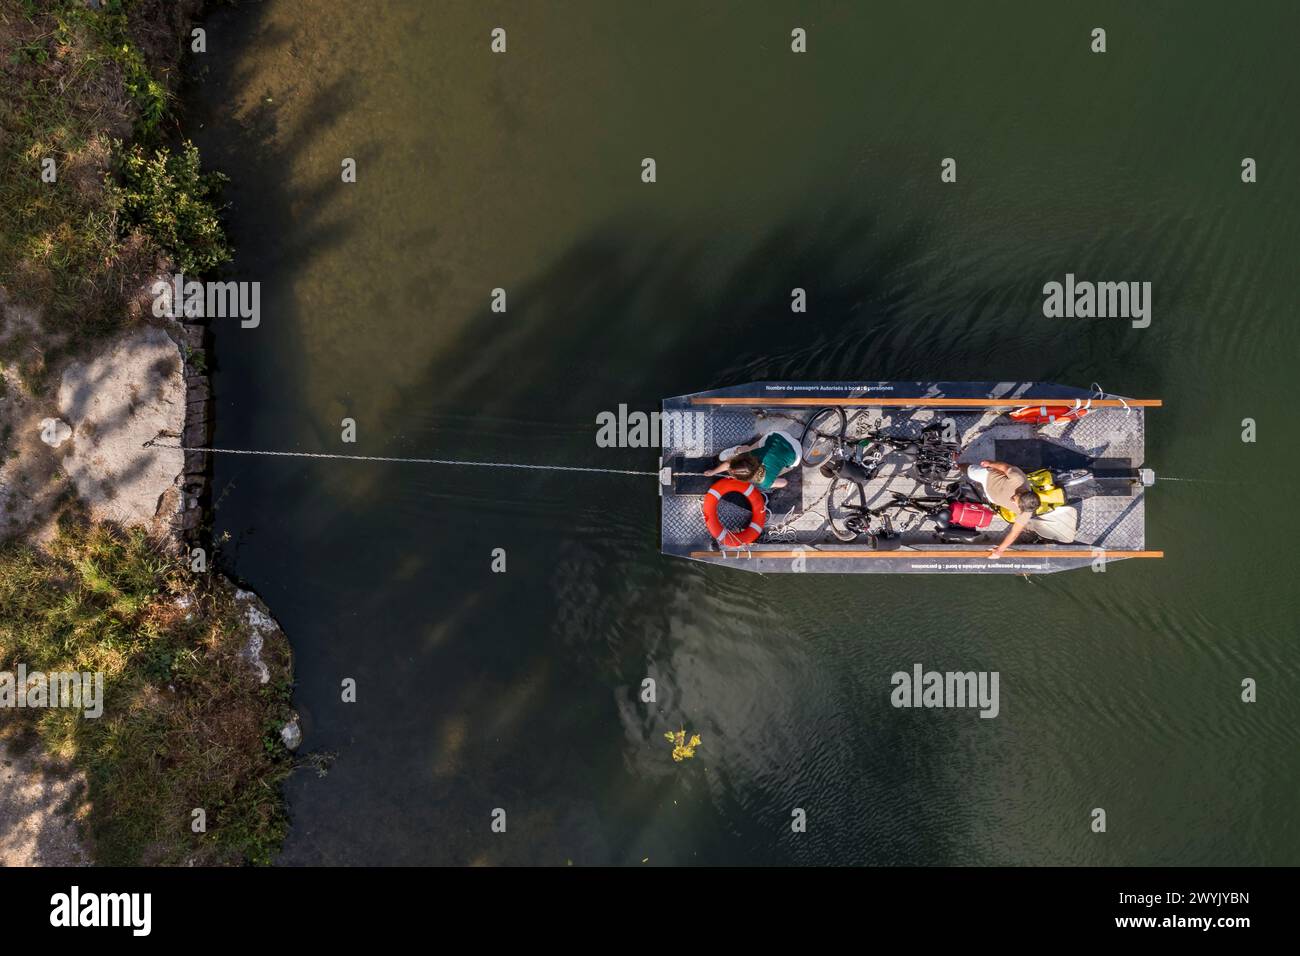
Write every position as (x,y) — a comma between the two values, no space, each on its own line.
(91,433)
(114,403)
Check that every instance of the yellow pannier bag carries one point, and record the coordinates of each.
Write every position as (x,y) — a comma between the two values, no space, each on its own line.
(1049,496)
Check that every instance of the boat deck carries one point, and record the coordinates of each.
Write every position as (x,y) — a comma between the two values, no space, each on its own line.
(797,536)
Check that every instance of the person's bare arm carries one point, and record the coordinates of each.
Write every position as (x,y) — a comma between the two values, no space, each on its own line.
(739,450)
(780,483)
(1017,526)
(1001,467)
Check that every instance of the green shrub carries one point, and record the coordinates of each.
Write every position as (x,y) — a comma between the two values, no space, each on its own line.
(176,204)
(149,96)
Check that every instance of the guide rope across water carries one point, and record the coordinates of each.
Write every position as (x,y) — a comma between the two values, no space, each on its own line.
(155,443)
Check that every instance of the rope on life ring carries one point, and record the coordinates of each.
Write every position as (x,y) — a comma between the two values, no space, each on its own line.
(757,513)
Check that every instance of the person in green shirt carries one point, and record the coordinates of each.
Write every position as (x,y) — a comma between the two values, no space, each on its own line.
(763,462)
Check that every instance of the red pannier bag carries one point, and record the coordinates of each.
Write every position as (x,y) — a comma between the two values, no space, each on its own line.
(970,514)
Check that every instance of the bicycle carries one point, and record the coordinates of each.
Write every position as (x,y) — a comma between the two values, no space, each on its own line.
(883,536)
(932,461)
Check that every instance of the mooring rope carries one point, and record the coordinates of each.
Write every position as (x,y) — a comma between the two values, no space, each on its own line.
(154,443)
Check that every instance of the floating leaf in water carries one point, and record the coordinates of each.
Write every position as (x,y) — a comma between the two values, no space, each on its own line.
(682,748)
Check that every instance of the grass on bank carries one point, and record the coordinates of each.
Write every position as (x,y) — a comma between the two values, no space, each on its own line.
(75,87)
(185,723)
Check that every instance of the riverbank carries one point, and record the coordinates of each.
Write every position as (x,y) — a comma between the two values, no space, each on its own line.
(105,566)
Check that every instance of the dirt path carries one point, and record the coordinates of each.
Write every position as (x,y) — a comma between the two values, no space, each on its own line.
(38,798)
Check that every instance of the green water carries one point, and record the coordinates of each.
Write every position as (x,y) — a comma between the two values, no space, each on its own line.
(775,170)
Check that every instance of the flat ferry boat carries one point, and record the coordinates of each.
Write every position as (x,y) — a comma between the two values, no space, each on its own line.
(893,477)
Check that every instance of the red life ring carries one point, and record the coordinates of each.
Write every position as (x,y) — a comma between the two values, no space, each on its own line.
(1045,414)
(757,508)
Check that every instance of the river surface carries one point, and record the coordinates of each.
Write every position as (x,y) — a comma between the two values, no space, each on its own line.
(520,691)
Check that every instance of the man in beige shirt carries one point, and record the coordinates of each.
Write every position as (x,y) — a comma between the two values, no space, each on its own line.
(1006,485)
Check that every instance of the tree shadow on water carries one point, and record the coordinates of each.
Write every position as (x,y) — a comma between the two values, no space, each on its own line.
(518,690)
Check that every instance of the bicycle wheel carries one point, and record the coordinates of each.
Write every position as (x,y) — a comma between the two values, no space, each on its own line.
(847,518)
(822,435)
